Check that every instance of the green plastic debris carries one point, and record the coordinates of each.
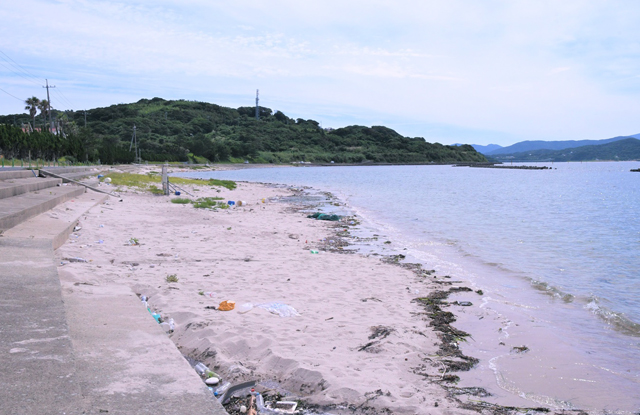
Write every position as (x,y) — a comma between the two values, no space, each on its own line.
(324,216)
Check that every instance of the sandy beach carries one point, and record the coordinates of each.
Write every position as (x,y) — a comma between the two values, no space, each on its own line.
(341,332)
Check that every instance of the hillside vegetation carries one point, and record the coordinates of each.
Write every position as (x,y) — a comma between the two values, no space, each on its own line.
(183,130)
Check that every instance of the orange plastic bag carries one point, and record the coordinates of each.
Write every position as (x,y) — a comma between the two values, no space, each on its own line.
(227,305)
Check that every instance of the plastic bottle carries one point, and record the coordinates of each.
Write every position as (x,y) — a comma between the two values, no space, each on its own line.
(201,368)
(260,405)
(211,374)
(221,390)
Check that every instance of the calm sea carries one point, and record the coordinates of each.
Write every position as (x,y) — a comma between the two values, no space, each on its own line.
(556,253)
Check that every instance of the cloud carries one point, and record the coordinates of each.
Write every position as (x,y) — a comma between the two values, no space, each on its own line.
(520,70)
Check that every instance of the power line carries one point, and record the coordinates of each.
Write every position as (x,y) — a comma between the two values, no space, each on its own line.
(19,66)
(21,100)
(18,73)
(63,98)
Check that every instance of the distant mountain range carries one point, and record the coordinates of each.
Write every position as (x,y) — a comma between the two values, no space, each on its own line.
(553,149)
(621,149)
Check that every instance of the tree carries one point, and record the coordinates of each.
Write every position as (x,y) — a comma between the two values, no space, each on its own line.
(43,106)
(32,106)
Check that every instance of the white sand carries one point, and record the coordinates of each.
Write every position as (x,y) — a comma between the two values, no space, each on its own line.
(261,254)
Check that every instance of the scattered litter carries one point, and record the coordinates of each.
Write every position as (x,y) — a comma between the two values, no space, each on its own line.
(77,228)
(64,262)
(324,216)
(245,308)
(230,390)
(168,326)
(156,316)
(212,381)
(107,179)
(75,259)
(283,310)
(242,203)
(231,203)
(99,241)
(201,368)
(227,305)
(222,389)
(287,407)
(463,303)
(132,242)
(209,294)
(313,251)
(101,226)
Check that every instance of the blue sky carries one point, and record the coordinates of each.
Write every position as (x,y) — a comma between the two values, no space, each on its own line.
(450,71)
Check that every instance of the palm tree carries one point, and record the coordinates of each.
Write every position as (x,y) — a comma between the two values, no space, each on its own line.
(32,106)
(43,106)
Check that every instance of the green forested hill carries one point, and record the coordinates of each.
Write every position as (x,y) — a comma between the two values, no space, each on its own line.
(174,130)
(621,150)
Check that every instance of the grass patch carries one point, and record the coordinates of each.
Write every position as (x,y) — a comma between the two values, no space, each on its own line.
(172,278)
(155,190)
(210,203)
(181,200)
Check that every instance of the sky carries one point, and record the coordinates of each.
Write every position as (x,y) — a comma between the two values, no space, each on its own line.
(451,71)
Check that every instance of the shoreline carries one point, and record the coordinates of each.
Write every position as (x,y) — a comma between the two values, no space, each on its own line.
(366,346)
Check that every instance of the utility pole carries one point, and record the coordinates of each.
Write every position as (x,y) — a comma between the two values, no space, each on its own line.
(49,104)
(257,107)
(134,144)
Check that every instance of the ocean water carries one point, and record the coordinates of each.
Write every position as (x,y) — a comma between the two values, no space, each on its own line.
(555,252)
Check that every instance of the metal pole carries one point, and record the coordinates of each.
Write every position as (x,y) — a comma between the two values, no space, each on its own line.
(165,180)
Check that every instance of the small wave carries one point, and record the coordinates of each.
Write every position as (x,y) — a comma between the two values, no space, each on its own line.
(617,320)
(551,290)
(511,303)
(512,387)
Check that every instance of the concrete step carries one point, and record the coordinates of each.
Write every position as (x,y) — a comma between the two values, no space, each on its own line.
(17,209)
(129,365)
(8,174)
(56,224)
(37,359)
(14,187)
